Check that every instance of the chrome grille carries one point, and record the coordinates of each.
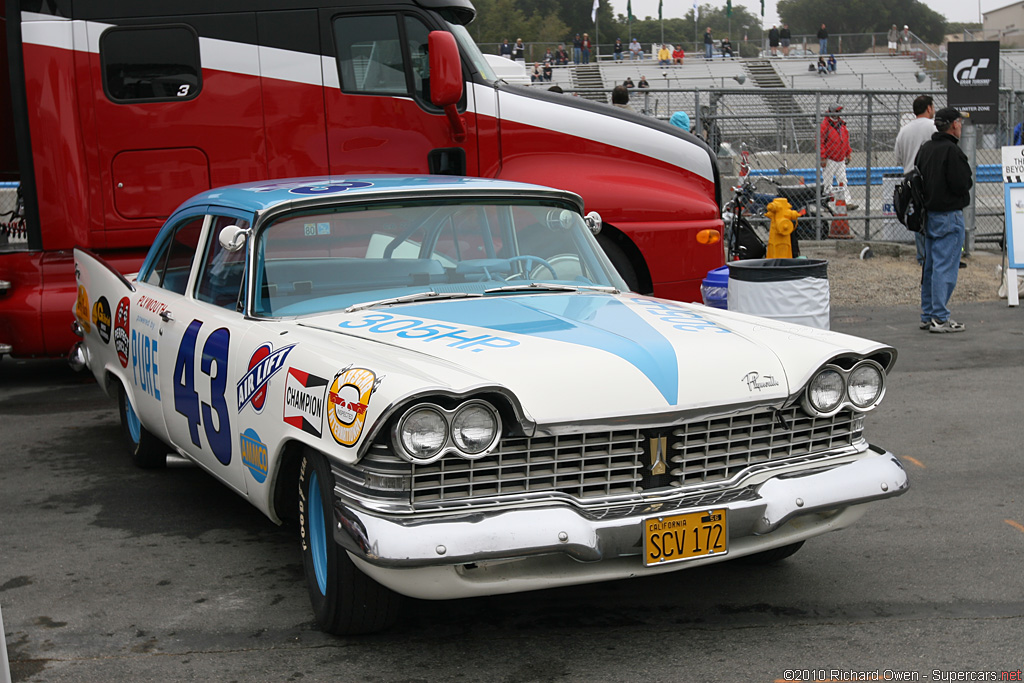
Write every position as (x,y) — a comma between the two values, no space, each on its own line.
(719,449)
(609,463)
(580,465)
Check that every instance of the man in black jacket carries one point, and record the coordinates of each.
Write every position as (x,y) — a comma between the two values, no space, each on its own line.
(947,190)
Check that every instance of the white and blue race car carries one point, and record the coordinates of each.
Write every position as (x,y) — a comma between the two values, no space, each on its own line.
(444,381)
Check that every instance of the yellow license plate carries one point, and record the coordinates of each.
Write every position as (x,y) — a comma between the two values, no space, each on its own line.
(686,536)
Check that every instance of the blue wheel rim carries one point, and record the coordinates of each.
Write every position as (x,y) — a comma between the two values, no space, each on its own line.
(134,426)
(317,534)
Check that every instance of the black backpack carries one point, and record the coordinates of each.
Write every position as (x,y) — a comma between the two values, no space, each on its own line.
(908,201)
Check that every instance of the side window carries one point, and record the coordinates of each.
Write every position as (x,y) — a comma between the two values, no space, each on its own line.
(370,55)
(416,38)
(173,264)
(151,63)
(221,275)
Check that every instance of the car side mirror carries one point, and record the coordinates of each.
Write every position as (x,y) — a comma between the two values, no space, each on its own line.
(232,238)
(446,79)
(593,221)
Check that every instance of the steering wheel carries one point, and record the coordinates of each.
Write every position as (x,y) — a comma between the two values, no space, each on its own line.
(528,261)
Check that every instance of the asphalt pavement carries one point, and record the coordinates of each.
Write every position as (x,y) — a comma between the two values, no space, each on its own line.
(108,573)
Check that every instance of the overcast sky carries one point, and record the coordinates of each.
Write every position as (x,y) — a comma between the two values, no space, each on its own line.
(953,10)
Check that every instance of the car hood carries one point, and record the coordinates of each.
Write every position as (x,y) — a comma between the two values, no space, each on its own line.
(570,356)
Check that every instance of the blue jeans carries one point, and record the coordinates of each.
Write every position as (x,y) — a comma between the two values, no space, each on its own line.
(577,53)
(708,49)
(823,46)
(943,244)
(586,56)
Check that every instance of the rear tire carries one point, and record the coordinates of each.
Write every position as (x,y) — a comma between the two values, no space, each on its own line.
(771,556)
(147,451)
(345,601)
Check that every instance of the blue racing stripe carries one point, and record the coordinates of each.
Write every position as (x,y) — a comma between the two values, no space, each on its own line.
(598,321)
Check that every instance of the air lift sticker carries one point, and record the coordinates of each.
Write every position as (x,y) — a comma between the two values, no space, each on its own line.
(347,401)
(101,318)
(263,364)
(121,330)
(304,398)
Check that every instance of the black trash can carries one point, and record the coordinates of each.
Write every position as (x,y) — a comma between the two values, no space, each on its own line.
(787,289)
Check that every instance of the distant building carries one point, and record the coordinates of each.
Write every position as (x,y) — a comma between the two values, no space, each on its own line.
(1005,24)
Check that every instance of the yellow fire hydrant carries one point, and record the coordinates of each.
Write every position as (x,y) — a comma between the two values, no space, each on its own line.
(783,223)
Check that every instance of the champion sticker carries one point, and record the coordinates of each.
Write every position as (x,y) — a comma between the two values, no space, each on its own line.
(263,364)
(347,401)
(121,330)
(304,399)
(101,318)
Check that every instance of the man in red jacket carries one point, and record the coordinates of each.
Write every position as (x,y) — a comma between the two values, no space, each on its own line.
(835,152)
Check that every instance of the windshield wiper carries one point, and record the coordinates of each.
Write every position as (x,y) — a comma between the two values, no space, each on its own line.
(552,287)
(418,296)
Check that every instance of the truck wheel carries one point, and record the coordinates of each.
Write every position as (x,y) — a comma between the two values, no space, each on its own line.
(773,555)
(148,452)
(620,261)
(345,601)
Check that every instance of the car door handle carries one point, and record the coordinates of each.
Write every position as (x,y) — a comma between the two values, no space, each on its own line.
(166,316)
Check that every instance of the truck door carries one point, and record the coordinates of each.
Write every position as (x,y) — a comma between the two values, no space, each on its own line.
(379,114)
(178,110)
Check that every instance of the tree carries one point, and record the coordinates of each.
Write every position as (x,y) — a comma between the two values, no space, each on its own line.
(862,16)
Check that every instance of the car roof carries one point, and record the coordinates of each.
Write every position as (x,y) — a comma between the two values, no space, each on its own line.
(264,195)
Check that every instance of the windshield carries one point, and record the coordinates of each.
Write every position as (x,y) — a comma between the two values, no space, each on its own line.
(471,52)
(335,258)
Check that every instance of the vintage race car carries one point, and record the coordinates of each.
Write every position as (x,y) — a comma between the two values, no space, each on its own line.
(444,382)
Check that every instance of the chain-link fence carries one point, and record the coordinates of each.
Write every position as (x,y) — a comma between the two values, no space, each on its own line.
(12,217)
(780,128)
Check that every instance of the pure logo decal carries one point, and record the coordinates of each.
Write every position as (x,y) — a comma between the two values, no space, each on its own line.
(82,309)
(755,382)
(304,399)
(254,454)
(347,402)
(121,331)
(263,364)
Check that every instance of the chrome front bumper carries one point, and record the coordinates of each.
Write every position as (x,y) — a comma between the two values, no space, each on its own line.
(393,542)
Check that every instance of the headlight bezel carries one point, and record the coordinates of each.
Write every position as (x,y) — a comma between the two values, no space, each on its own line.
(846,399)
(449,443)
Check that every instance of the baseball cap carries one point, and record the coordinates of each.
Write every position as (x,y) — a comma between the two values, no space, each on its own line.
(905,26)
(946,115)
(835,109)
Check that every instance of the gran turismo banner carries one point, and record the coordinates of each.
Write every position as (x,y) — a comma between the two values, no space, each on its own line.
(973,80)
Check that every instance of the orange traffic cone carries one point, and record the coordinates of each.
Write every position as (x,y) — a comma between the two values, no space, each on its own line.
(840,227)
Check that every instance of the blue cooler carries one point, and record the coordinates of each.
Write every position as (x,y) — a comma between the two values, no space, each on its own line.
(715,288)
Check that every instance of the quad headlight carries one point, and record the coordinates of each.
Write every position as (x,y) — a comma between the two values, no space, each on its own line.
(833,387)
(428,431)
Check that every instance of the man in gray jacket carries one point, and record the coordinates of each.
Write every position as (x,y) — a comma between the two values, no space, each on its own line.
(910,139)
(947,190)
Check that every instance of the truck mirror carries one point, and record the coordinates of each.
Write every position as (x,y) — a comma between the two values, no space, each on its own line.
(446,79)
(232,238)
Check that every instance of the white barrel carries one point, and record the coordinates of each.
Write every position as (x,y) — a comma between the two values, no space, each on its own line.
(787,289)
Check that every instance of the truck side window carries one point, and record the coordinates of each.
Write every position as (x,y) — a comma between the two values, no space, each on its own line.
(173,264)
(150,63)
(220,280)
(370,55)
(416,37)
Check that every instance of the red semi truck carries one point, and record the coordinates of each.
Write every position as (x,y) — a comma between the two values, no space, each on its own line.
(113,113)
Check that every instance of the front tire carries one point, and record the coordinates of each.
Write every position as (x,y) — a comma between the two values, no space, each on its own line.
(345,601)
(147,451)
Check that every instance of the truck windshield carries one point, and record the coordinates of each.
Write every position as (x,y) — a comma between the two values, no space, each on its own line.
(470,50)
